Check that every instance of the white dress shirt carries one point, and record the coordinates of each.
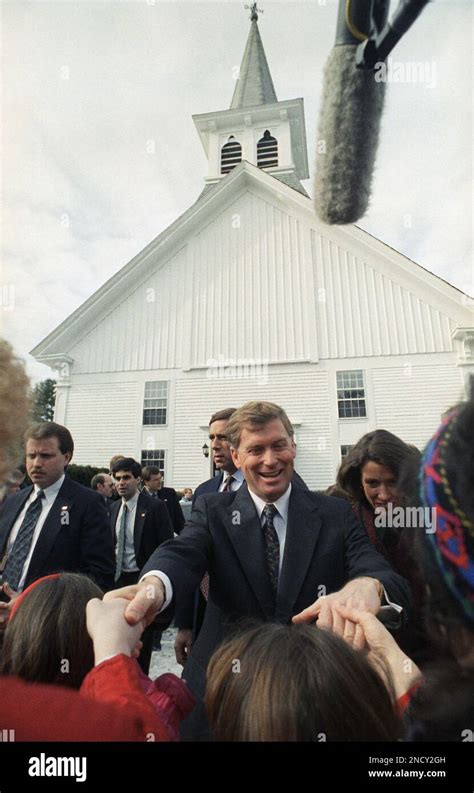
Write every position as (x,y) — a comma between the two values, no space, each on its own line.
(280,523)
(237,480)
(50,494)
(280,520)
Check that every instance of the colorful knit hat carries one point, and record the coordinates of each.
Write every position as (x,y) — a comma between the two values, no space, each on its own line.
(452,542)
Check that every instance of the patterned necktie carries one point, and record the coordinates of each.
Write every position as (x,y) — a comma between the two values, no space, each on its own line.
(121,543)
(21,547)
(228,484)
(272,544)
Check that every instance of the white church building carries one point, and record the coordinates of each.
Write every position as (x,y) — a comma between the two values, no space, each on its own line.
(248,295)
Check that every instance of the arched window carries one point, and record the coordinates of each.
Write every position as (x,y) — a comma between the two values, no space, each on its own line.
(267,151)
(231,155)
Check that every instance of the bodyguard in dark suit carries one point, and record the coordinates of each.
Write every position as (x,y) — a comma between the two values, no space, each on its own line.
(189,614)
(153,481)
(56,524)
(103,484)
(139,525)
(274,551)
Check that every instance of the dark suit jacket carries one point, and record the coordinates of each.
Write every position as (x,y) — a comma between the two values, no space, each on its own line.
(152,525)
(325,546)
(169,497)
(189,613)
(74,538)
(211,485)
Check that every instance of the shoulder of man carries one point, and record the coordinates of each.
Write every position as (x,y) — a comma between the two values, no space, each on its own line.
(154,504)
(208,485)
(75,488)
(167,492)
(220,500)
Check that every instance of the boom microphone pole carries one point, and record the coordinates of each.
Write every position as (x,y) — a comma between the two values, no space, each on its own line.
(352,105)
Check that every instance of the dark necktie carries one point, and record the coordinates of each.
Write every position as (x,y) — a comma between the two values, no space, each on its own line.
(21,547)
(121,543)
(228,484)
(272,544)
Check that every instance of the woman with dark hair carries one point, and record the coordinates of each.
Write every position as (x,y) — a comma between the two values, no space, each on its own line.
(296,683)
(373,476)
(46,639)
(442,706)
(370,476)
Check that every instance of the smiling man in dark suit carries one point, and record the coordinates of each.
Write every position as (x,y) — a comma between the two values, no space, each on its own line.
(273,550)
(56,524)
(140,524)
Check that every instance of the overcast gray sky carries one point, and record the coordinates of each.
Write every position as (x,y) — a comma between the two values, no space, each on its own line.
(87,86)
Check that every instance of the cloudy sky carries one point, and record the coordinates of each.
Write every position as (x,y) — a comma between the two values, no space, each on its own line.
(92,89)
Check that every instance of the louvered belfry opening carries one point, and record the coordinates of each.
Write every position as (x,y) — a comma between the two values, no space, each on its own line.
(267,151)
(231,155)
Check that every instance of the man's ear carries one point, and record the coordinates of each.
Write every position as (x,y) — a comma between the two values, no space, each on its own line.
(68,457)
(235,456)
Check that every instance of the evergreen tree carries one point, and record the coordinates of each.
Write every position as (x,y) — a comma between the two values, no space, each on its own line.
(44,397)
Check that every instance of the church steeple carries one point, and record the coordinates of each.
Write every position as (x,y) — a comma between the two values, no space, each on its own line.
(257,127)
(255,84)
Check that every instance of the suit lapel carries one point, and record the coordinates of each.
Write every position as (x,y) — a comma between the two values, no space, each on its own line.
(114,511)
(245,532)
(140,515)
(217,481)
(302,533)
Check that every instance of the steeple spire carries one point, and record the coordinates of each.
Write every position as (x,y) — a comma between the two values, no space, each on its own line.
(255,85)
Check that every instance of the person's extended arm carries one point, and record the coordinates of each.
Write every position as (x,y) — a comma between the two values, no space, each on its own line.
(117,679)
(381,645)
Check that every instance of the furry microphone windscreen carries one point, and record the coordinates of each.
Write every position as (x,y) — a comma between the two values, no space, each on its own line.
(349,123)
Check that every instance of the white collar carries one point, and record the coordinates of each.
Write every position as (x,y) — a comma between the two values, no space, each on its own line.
(281,504)
(132,502)
(237,475)
(52,491)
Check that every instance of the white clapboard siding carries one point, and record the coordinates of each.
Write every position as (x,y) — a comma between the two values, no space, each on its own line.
(102,418)
(409,401)
(362,312)
(145,331)
(251,296)
(304,395)
(259,281)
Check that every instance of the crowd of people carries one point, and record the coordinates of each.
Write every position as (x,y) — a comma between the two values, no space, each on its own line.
(302,616)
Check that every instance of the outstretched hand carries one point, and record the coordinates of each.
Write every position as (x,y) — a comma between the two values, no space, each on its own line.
(382,647)
(110,632)
(359,595)
(145,599)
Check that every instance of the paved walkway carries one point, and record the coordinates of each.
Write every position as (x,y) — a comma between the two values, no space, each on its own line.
(164,660)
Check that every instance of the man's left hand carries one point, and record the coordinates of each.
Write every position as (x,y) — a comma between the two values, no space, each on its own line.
(361,594)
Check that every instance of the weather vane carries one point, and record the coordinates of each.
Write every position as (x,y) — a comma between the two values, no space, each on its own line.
(254,11)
